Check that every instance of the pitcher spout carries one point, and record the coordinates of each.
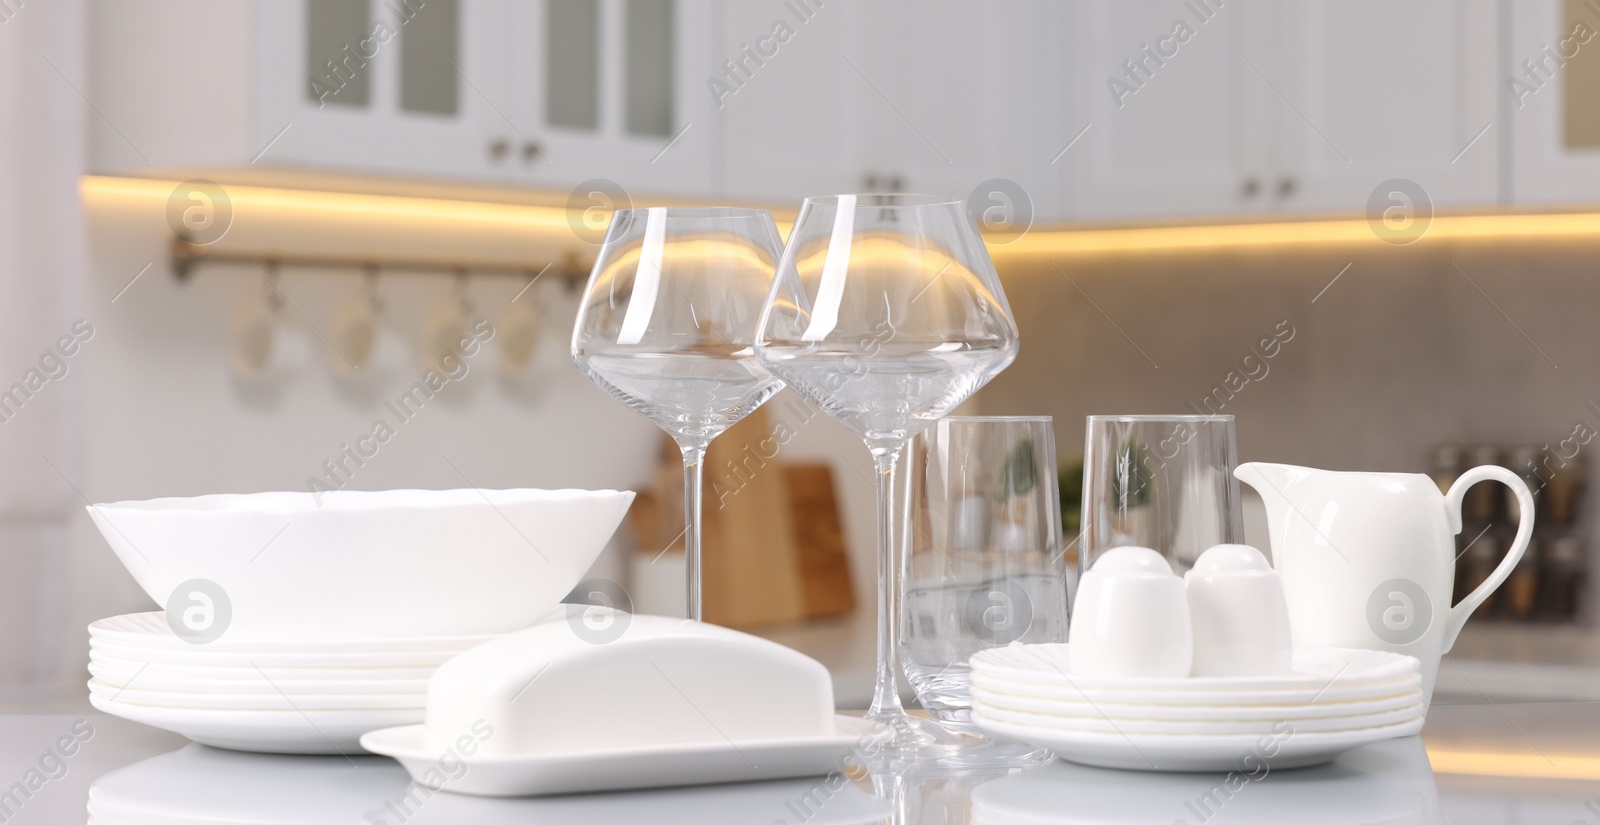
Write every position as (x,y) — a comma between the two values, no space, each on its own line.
(1268,478)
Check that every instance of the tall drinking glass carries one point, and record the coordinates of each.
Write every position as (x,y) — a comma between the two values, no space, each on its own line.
(886,312)
(1160,481)
(986,566)
(667,325)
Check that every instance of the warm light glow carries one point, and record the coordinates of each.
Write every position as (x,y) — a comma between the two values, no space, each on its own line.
(1060,241)
(1041,241)
(1521,765)
(370,206)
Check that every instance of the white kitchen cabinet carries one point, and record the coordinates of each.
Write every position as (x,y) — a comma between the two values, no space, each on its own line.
(1196,107)
(1551,101)
(458,89)
(612,89)
(888,96)
(1166,118)
(1375,90)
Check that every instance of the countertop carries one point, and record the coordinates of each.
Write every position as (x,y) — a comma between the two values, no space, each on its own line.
(1474,764)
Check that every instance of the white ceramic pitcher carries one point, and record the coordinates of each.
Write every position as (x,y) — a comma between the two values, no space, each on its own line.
(1368,559)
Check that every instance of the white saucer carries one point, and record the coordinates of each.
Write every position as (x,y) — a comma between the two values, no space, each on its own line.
(1330,693)
(1148,752)
(154,678)
(1315,668)
(206,655)
(265,731)
(271,700)
(119,671)
(151,629)
(620,769)
(1207,727)
(984,697)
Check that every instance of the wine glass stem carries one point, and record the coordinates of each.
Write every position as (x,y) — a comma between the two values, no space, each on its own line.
(886,698)
(693,468)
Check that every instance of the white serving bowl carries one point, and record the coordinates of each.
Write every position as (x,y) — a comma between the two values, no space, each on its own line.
(385,564)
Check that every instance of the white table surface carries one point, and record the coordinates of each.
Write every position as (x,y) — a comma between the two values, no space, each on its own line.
(1474,763)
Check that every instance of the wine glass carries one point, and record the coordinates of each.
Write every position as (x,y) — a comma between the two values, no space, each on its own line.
(886,312)
(667,324)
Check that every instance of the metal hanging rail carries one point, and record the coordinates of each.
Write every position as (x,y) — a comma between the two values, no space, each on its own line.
(186,256)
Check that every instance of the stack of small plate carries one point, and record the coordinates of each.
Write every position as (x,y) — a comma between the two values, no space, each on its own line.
(289,696)
(1335,699)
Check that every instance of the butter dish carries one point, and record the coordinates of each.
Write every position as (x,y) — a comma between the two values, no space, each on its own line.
(607,700)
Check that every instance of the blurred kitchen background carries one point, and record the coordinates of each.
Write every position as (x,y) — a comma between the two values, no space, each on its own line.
(204,204)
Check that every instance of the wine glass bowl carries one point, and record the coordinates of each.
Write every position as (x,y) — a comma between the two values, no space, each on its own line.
(666,326)
(886,312)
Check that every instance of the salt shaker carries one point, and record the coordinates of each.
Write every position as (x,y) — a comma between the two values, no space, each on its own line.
(1239,614)
(1131,619)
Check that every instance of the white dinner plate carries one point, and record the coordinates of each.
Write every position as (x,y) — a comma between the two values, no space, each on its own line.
(1068,692)
(656,766)
(1161,727)
(1314,668)
(265,731)
(150,629)
(120,670)
(1146,752)
(153,678)
(1190,713)
(205,655)
(257,701)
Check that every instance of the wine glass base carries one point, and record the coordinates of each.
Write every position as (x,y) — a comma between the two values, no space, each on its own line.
(905,740)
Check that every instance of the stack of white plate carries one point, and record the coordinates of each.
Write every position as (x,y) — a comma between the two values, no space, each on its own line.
(1335,699)
(290,696)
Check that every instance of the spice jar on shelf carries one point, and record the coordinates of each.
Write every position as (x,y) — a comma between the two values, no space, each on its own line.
(1474,568)
(1522,587)
(1563,490)
(1566,569)
(1528,462)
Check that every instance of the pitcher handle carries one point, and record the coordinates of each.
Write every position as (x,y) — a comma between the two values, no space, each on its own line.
(1461,612)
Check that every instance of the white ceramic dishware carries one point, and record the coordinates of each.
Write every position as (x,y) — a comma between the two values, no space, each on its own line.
(1035,702)
(265,699)
(1312,669)
(1332,692)
(645,701)
(613,769)
(117,670)
(151,630)
(657,681)
(1205,727)
(249,681)
(265,731)
(1131,618)
(1238,613)
(1181,752)
(200,655)
(353,564)
(1368,559)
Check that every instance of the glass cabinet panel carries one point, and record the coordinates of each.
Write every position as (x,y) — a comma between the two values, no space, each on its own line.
(649,54)
(430,51)
(337,74)
(572,64)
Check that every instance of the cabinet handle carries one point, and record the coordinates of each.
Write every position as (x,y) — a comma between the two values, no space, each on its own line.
(1250,189)
(531,151)
(1286,187)
(498,149)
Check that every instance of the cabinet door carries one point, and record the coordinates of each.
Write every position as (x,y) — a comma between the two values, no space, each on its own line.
(934,96)
(1376,90)
(1165,109)
(391,86)
(952,94)
(612,89)
(791,107)
(1552,101)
